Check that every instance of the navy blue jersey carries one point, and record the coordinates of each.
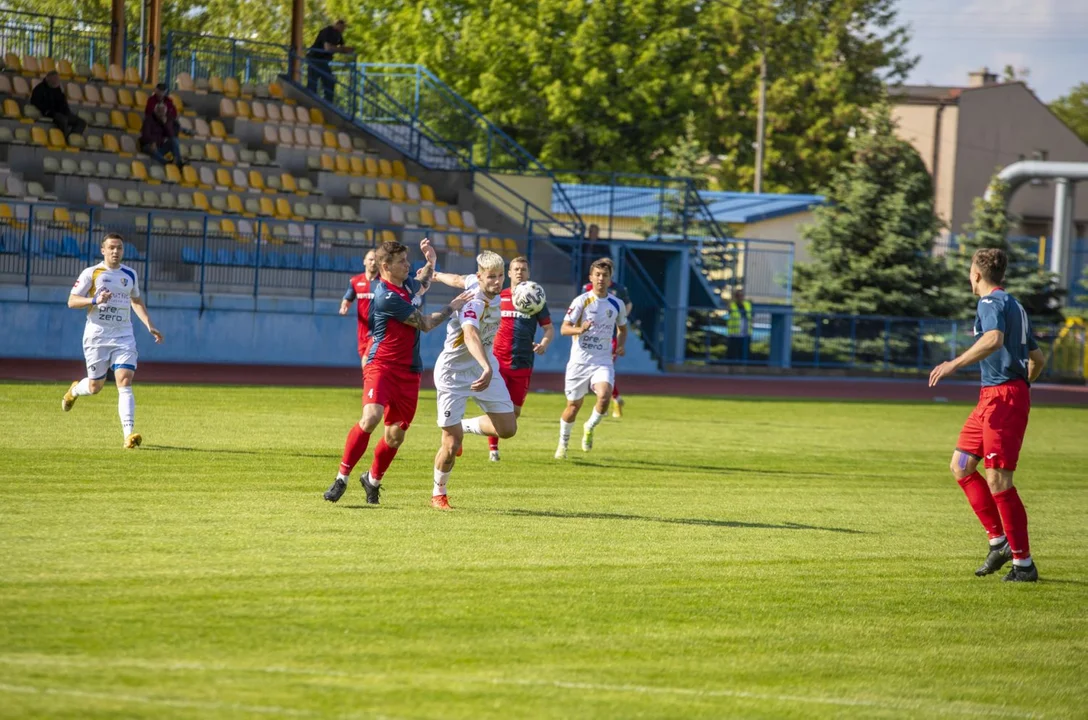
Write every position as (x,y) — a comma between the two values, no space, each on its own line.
(394,344)
(517,332)
(1001,311)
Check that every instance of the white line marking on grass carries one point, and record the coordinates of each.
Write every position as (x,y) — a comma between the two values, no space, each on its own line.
(148,700)
(889,704)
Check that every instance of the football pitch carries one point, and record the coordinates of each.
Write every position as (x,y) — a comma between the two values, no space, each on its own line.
(710,558)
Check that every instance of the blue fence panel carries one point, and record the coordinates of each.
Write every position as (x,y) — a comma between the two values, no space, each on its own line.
(60,38)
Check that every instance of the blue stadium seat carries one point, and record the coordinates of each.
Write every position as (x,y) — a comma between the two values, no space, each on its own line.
(244,258)
(341,264)
(222,257)
(324,263)
(190,255)
(270,259)
(51,248)
(69,247)
(292,261)
(131,253)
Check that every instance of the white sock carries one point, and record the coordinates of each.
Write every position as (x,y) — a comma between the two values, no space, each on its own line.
(564,432)
(994,542)
(472,426)
(84,388)
(126,408)
(440,480)
(1022,562)
(594,420)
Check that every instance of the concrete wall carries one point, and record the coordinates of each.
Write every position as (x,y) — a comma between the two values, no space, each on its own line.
(787,228)
(1002,124)
(924,126)
(38,324)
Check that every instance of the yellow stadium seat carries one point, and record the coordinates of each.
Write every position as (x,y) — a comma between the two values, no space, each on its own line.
(227,227)
(357,166)
(139,100)
(256,180)
(388,236)
(234,205)
(139,171)
(327,163)
(383,191)
(343,167)
(243,110)
(317,118)
(385,168)
(219,131)
(453,242)
(173,175)
(329,138)
(31,66)
(115,74)
(109,143)
(275,90)
(98,72)
(11,110)
(287,182)
(39,136)
(398,193)
(200,201)
(46,65)
(231,88)
(212,154)
(61,216)
(511,247)
(56,139)
(64,69)
(426,217)
(13,62)
(189,176)
(117,120)
(399,171)
(135,121)
(454,218)
(426,193)
(283,209)
(132,76)
(371,166)
(222,177)
(215,84)
(268,208)
(125,98)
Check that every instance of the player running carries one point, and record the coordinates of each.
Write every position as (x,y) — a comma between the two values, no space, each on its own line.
(620,293)
(593,318)
(359,288)
(393,367)
(467,369)
(109,292)
(1010,360)
(516,347)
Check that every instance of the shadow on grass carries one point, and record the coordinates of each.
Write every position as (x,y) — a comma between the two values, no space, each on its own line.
(645,465)
(232,451)
(516,512)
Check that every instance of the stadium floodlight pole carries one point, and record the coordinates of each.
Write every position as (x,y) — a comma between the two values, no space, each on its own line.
(761,116)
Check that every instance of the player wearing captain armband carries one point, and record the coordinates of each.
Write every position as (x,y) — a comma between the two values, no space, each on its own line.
(592,319)
(109,292)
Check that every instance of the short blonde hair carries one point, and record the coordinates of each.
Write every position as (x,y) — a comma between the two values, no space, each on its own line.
(488,260)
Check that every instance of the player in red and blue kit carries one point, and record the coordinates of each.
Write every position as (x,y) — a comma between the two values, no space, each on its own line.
(515,344)
(359,290)
(1010,361)
(621,294)
(393,366)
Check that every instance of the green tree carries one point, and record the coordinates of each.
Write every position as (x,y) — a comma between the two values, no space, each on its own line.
(872,243)
(1037,289)
(1072,109)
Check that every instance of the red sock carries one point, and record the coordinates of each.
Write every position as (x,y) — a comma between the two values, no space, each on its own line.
(615,392)
(383,458)
(492,443)
(1015,519)
(982,502)
(354,448)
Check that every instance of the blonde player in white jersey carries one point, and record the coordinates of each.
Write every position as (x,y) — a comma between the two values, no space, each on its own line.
(468,369)
(592,319)
(108,292)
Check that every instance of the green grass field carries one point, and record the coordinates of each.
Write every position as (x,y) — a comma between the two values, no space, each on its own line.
(710,558)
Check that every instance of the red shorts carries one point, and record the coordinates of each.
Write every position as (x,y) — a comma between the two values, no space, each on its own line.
(517,383)
(396,390)
(994,430)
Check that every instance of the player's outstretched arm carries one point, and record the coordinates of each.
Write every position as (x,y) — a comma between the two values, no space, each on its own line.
(479,353)
(1036,363)
(987,344)
(426,323)
(140,309)
(454,281)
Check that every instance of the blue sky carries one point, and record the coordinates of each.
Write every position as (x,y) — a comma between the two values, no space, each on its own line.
(1048,37)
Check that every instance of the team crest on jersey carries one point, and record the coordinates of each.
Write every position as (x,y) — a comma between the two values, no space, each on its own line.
(609,313)
(124,282)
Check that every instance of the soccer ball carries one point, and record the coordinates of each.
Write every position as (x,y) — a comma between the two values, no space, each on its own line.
(529,298)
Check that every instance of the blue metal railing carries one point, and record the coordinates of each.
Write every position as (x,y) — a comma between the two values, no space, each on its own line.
(51,36)
(195,252)
(205,56)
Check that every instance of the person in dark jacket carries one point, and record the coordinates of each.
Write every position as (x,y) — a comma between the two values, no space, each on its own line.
(158,134)
(48,96)
(328,42)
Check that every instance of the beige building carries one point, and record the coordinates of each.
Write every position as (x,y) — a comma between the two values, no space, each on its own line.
(966,134)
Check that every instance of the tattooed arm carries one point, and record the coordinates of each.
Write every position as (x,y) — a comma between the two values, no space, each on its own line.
(426,323)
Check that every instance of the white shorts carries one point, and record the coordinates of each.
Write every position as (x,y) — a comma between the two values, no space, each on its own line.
(581,379)
(103,355)
(454,390)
